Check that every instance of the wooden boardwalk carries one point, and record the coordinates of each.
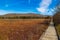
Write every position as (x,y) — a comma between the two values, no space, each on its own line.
(50,33)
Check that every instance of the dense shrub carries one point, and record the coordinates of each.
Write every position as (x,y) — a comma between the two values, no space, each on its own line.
(56,18)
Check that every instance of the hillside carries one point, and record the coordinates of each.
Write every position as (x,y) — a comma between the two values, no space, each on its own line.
(22,16)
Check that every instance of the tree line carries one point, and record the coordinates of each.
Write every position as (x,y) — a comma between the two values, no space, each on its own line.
(23,17)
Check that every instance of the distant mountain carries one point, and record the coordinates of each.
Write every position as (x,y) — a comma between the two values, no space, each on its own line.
(21,14)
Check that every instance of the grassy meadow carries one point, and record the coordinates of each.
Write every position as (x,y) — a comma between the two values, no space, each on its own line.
(22,29)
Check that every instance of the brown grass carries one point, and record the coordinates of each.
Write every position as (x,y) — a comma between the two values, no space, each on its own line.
(22,29)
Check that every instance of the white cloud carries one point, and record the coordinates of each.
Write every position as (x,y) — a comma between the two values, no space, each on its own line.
(45,3)
(41,10)
(43,6)
(2,12)
(49,12)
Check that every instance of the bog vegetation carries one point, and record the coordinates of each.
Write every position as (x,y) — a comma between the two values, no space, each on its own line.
(22,29)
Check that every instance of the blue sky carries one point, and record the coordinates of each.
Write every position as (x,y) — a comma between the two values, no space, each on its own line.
(45,7)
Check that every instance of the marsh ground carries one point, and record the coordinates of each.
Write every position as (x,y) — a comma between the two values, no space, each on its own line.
(22,29)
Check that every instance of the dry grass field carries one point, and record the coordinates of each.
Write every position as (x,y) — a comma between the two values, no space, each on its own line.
(22,29)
